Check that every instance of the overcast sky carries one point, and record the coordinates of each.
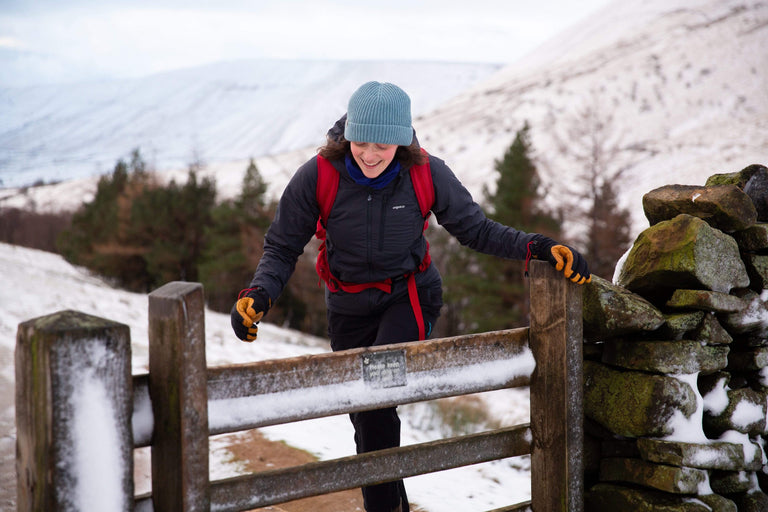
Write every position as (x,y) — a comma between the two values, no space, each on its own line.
(138,37)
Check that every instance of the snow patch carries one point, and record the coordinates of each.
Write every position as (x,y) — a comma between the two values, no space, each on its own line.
(704,488)
(95,453)
(230,413)
(688,429)
(745,414)
(620,266)
(143,420)
(716,401)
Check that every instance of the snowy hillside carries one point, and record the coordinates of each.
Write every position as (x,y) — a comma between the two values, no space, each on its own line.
(680,85)
(684,82)
(215,113)
(37,283)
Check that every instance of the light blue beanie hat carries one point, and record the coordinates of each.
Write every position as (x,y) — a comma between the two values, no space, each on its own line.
(379,113)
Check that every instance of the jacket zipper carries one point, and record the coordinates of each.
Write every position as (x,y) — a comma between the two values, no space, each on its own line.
(369,237)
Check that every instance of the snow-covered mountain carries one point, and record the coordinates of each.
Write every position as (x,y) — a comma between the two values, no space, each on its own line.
(681,86)
(215,113)
(37,283)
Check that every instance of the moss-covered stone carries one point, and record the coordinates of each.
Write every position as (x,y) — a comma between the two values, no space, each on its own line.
(724,207)
(712,455)
(677,325)
(673,479)
(752,501)
(611,311)
(634,404)
(684,252)
(751,320)
(754,238)
(739,178)
(711,332)
(706,300)
(757,270)
(676,357)
(729,482)
(605,497)
(719,503)
(756,189)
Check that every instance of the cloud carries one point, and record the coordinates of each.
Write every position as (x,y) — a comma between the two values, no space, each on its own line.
(139,37)
(11,42)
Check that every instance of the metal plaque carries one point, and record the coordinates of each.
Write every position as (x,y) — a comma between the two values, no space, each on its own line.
(384,369)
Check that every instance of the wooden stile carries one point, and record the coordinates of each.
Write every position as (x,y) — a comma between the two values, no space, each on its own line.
(556,338)
(178,389)
(186,395)
(63,360)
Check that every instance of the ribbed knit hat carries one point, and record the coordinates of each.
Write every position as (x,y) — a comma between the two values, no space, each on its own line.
(379,113)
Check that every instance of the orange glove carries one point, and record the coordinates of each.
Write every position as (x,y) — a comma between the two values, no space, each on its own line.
(251,306)
(563,258)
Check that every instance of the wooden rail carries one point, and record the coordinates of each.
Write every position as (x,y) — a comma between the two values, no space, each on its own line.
(190,402)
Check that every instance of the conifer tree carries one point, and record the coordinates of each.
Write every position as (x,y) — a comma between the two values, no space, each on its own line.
(170,224)
(233,250)
(235,240)
(98,236)
(489,293)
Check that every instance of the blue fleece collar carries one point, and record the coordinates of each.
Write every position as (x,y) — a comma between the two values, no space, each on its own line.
(380,181)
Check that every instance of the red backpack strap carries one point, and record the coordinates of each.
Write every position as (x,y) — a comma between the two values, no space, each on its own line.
(327,186)
(421,176)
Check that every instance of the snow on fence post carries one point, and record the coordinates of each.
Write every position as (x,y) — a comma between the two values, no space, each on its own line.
(178,388)
(74,448)
(556,338)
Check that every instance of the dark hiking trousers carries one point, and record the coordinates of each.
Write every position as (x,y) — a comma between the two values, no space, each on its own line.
(378,429)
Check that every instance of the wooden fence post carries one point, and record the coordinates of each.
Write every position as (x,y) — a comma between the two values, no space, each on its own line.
(557,478)
(74,447)
(178,389)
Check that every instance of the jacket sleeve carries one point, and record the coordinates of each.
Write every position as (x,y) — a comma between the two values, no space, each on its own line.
(293,227)
(462,217)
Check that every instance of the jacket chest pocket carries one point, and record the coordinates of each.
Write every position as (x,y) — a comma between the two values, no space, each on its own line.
(401,225)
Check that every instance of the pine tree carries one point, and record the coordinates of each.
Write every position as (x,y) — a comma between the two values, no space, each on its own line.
(235,240)
(169,223)
(234,248)
(98,237)
(486,292)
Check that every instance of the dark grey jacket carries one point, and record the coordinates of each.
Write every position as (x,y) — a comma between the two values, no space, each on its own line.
(376,234)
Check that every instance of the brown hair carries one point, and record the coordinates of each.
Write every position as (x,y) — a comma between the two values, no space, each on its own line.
(408,156)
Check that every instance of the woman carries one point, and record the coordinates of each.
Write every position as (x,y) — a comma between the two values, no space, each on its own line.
(382,287)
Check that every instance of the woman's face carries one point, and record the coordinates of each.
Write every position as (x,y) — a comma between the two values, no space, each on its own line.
(372,158)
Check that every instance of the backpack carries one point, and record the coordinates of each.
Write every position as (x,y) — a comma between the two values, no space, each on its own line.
(327,187)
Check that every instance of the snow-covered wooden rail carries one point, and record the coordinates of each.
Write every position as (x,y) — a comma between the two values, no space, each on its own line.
(189,402)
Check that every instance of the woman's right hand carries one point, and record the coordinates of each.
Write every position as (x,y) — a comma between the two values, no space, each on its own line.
(251,306)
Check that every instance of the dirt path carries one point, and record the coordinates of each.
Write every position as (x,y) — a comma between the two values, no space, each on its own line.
(258,453)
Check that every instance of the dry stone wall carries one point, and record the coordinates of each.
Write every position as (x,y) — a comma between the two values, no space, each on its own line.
(676,356)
